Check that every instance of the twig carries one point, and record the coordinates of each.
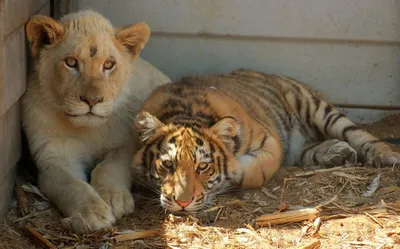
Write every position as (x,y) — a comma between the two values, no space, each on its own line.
(374,219)
(194,219)
(216,217)
(31,215)
(233,202)
(311,245)
(136,235)
(314,172)
(362,243)
(351,177)
(283,188)
(39,238)
(388,190)
(21,197)
(395,231)
(334,198)
(335,216)
(287,217)
(212,209)
(267,193)
(343,208)
(340,191)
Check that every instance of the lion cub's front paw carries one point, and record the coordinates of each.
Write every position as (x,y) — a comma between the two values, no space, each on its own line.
(120,200)
(93,215)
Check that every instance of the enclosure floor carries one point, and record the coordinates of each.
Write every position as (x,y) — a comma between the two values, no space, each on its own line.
(349,220)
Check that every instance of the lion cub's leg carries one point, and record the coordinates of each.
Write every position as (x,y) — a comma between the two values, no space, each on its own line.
(112,180)
(62,179)
(84,209)
(328,153)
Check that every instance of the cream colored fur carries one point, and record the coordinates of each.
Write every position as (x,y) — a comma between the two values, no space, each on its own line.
(67,143)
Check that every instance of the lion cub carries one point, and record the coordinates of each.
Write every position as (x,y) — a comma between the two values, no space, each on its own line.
(78,111)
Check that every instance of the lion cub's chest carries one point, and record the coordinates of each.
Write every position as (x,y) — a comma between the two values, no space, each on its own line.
(89,144)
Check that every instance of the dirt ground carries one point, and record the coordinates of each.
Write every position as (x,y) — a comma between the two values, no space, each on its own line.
(353,207)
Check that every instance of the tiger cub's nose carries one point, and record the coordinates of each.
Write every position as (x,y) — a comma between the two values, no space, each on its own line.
(184,204)
(91,101)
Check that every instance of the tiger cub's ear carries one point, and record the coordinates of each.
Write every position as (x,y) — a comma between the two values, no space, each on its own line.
(147,124)
(226,128)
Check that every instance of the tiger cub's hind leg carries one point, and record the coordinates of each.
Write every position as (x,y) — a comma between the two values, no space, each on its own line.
(370,150)
(329,153)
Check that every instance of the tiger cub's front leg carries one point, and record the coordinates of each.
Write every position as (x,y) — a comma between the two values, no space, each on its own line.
(260,164)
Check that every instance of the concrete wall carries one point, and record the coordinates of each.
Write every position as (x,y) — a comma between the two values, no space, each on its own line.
(350,50)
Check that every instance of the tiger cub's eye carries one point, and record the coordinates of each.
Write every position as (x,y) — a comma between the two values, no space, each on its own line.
(109,64)
(167,164)
(203,166)
(71,62)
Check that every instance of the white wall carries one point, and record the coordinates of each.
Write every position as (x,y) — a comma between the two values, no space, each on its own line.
(348,49)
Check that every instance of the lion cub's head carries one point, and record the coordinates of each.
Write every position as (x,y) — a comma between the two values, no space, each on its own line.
(83,64)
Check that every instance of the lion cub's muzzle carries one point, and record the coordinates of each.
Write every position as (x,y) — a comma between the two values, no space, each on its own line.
(91,101)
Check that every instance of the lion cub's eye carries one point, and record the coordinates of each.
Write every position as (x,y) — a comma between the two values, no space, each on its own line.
(71,62)
(109,64)
(203,167)
(167,164)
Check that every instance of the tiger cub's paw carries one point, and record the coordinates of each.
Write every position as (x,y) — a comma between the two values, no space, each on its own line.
(385,159)
(338,154)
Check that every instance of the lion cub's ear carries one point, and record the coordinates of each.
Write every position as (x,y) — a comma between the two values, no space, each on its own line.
(41,31)
(147,124)
(226,128)
(133,37)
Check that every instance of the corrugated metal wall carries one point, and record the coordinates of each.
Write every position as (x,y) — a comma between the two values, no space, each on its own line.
(349,50)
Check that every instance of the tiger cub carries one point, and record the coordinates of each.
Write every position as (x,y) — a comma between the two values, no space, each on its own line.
(205,134)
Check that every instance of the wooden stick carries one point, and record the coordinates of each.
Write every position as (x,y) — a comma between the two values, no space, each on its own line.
(136,235)
(362,243)
(45,243)
(21,199)
(267,193)
(351,177)
(31,215)
(374,220)
(313,172)
(287,217)
(335,216)
(311,245)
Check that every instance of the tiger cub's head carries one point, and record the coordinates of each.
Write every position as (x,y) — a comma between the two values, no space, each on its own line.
(188,165)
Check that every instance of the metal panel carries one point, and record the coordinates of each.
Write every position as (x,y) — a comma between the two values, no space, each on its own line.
(321,19)
(345,73)
(349,50)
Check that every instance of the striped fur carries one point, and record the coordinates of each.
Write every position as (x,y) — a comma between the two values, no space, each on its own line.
(204,134)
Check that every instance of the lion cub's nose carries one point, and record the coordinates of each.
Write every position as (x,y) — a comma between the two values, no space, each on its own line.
(91,101)
(184,204)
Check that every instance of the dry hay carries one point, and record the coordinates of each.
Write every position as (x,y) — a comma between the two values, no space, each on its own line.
(347,218)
